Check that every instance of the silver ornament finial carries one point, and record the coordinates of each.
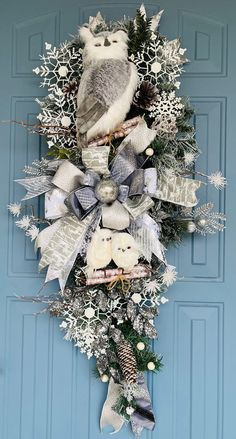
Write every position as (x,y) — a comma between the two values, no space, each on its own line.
(106,191)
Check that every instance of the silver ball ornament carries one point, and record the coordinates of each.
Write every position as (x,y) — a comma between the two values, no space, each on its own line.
(191,227)
(106,191)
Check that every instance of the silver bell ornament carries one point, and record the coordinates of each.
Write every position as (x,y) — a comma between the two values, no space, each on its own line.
(106,191)
(191,227)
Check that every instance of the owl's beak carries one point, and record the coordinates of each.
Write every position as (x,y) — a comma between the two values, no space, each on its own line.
(107,42)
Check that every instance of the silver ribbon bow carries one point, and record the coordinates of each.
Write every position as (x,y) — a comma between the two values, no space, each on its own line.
(142,417)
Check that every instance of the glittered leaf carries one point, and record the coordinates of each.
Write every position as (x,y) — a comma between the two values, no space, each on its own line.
(138,324)
(150,330)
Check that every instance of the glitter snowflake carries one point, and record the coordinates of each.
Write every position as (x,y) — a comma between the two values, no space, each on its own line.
(167,106)
(160,62)
(165,127)
(87,324)
(57,118)
(59,66)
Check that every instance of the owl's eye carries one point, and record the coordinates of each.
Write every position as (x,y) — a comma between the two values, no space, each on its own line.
(114,41)
(128,248)
(119,248)
(97,44)
(103,239)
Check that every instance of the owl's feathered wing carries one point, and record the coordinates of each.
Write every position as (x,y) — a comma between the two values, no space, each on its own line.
(102,83)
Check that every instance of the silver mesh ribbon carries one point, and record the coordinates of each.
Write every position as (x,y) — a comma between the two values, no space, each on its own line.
(146,233)
(143,416)
(63,246)
(177,190)
(108,415)
(138,205)
(96,158)
(36,186)
(140,138)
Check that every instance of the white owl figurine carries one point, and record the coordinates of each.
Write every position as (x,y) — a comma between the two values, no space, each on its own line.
(107,85)
(99,250)
(124,251)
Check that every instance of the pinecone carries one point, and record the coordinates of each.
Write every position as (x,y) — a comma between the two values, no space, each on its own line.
(146,95)
(71,87)
(127,361)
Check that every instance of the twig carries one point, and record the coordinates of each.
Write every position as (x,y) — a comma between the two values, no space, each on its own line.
(123,130)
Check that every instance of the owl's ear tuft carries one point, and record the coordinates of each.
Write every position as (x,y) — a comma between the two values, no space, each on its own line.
(85,34)
(123,35)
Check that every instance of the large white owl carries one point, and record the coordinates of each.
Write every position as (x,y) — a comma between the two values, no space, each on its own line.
(124,251)
(107,85)
(99,250)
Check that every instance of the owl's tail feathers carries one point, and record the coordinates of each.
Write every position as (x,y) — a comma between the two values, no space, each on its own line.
(82,141)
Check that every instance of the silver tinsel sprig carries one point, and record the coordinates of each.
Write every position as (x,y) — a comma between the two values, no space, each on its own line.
(207,221)
(37,168)
(202,220)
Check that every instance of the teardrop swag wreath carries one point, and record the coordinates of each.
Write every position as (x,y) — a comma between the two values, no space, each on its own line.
(119,188)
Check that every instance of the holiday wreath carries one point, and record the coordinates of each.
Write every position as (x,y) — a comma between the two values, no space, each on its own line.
(120,186)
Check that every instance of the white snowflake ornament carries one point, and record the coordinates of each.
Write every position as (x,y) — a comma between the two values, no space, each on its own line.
(169,276)
(14,209)
(59,65)
(32,232)
(217,180)
(24,223)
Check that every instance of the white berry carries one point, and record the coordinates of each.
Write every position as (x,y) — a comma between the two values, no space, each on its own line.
(136,297)
(140,346)
(104,378)
(129,410)
(66,121)
(89,313)
(62,71)
(149,152)
(151,365)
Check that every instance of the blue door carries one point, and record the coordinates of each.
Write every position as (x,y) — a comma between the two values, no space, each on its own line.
(47,390)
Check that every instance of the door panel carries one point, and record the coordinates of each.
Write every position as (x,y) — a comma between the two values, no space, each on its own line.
(46,386)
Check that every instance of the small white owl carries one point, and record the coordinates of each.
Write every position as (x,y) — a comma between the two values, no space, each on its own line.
(99,250)
(107,85)
(124,251)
